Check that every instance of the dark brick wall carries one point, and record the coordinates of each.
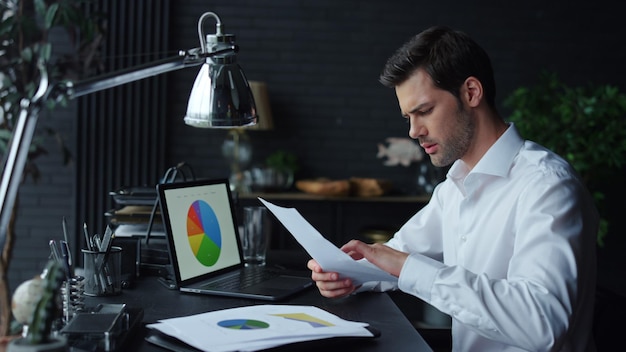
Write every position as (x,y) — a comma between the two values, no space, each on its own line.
(321,61)
(44,203)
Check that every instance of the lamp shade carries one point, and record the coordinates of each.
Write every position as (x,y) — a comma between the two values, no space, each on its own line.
(220,98)
(263,109)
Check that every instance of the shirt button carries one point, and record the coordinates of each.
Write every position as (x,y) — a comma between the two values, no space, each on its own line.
(463,238)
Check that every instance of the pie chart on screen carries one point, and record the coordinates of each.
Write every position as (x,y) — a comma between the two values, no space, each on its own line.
(203,233)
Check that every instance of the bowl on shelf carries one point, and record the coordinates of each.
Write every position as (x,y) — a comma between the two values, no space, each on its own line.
(324,187)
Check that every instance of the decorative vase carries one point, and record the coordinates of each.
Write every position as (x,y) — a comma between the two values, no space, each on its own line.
(54,344)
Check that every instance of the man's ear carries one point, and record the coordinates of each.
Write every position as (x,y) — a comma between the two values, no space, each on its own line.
(472,91)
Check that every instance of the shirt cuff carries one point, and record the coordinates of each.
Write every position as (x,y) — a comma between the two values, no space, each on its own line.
(418,275)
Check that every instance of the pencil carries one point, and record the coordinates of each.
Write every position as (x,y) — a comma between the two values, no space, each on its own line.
(67,241)
(87,239)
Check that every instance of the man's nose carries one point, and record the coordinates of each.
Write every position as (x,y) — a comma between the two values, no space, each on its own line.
(416,130)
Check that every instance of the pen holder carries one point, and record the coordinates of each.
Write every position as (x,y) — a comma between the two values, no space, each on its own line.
(73,293)
(103,272)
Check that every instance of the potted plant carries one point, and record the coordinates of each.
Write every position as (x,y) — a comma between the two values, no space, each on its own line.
(276,174)
(25,30)
(586,125)
(37,302)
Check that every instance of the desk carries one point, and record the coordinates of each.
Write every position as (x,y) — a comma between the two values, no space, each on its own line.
(377,309)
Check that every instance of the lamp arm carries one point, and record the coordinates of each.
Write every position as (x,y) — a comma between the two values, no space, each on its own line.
(184,59)
(17,152)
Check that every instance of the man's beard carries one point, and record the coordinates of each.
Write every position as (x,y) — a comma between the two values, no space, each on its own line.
(457,142)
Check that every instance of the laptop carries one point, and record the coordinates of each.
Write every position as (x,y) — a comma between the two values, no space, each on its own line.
(206,255)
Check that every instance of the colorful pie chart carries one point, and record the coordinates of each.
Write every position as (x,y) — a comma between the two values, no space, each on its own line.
(243,324)
(203,231)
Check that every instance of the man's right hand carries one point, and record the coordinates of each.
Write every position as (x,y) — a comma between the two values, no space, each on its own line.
(328,283)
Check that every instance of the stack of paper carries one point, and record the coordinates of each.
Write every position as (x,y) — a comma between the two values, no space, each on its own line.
(258,327)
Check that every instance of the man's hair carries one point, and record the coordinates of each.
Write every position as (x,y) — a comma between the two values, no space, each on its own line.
(448,56)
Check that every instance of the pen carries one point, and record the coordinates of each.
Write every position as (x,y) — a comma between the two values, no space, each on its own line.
(107,244)
(55,251)
(99,281)
(87,239)
(97,245)
(99,261)
(107,239)
(65,253)
(67,240)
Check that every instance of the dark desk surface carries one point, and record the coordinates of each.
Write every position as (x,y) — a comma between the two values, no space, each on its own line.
(377,309)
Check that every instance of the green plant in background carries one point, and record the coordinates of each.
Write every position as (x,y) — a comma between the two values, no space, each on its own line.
(585,125)
(283,161)
(25,29)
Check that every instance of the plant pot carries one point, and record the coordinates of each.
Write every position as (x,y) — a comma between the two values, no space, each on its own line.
(55,344)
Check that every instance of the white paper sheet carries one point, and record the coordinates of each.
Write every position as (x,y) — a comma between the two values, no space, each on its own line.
(323,251)
(258,327)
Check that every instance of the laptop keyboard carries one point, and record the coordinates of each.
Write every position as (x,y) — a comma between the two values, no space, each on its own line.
(246,278)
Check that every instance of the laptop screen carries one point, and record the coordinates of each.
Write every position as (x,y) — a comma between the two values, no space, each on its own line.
(199,220)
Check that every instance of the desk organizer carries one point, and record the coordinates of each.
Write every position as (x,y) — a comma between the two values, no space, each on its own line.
(104,327)
(72,292)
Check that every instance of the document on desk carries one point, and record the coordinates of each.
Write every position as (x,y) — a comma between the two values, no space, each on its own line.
(256,327)
(323,251)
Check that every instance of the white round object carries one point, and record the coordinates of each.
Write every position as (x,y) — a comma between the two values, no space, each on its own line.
(25,299)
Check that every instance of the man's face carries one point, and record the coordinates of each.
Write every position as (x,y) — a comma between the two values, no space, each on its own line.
(444,129)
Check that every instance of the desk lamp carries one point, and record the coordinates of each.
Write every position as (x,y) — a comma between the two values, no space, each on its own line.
(220,98)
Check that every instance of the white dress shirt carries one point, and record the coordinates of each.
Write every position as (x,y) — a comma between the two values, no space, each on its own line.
(508,251)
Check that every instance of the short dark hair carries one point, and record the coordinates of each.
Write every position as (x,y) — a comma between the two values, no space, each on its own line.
(448,56)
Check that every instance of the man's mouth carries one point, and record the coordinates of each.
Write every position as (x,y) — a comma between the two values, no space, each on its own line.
(429,148)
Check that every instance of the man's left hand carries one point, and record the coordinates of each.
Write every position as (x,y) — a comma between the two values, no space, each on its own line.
(384,257)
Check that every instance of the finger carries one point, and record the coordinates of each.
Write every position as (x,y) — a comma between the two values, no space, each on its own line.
(350,246)
(336,293)
(386,258)
(355,255)
(335,288)
(355,249)
(316,269)
(324,276)
(313,266)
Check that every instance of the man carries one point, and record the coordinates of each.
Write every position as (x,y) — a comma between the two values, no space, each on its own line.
(506,245)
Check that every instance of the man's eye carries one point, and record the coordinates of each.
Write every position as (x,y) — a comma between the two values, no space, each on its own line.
(425,112)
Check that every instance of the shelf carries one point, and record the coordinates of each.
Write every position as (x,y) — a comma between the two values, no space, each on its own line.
(313,197)
(340,218)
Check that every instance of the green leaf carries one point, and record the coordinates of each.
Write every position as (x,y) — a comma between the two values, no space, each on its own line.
(40,7)
(45,52)
(282,161)
(27,54)
(50,15)
(586,125)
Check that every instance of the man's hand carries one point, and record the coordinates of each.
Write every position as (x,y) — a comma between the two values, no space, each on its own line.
(386,258)
(329,283)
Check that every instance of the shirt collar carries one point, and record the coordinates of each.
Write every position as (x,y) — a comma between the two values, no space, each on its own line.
(497,160)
